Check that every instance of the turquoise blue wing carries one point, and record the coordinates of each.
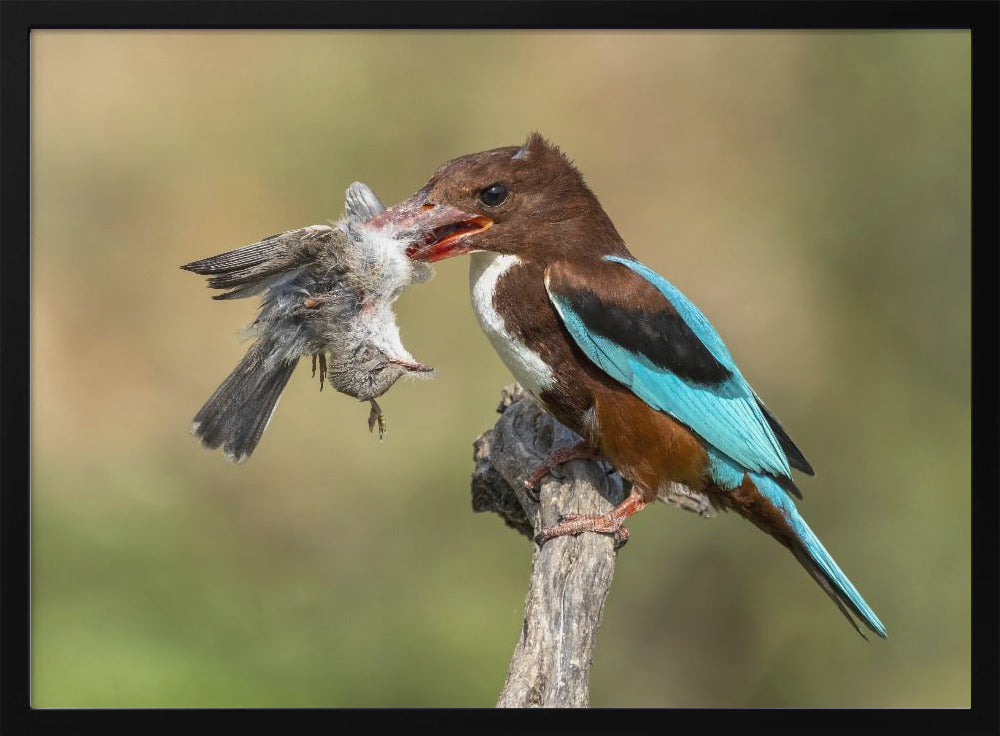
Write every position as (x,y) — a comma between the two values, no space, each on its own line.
(640,330)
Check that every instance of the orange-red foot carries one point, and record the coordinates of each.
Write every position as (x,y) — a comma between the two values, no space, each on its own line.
(581,450)
(609,523)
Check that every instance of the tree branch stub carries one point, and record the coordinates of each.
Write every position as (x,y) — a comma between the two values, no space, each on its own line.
(571,576)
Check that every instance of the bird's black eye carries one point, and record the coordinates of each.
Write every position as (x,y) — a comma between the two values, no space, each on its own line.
(494,195)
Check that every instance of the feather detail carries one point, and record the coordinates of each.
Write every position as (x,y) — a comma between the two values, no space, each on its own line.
(251,269)
(795,457)
(236,415)
(724,413)
(361,203)
(764,502)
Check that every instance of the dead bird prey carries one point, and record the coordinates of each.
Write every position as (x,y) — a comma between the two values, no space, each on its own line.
(327,291)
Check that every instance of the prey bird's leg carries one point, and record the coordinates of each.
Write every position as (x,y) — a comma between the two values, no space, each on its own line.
(609,523)
(376,415)
(581,450)
(314,304)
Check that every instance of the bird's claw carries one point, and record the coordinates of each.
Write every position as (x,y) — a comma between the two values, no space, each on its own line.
(538,475)
(573,524)
(375,416)
(322,367)
(577,451)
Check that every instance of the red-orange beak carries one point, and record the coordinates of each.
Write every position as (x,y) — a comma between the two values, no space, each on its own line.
(438,231)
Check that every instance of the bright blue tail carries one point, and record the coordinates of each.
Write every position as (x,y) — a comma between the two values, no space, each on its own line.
(817,561)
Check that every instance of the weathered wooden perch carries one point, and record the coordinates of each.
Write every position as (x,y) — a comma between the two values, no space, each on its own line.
(571,576)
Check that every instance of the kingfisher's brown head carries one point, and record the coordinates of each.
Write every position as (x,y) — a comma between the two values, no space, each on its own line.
(528,201)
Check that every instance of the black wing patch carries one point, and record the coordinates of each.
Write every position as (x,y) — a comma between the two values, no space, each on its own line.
(662,336)
(795,457)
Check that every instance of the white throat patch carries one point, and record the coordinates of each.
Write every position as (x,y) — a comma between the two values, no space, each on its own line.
(485,269)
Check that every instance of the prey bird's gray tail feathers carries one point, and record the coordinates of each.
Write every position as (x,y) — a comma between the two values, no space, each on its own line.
(252,269)
(236,415)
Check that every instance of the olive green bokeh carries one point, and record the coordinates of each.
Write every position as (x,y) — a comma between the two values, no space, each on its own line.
(810,191)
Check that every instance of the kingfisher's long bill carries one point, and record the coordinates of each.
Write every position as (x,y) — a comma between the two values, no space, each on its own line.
(612,349)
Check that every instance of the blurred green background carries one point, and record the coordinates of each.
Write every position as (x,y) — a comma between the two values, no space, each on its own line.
(810,191)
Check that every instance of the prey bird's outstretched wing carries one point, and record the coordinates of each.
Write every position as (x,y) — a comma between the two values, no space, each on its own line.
(640,330)
(252,269)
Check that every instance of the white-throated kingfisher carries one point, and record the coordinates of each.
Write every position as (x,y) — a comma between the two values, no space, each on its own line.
(612,349)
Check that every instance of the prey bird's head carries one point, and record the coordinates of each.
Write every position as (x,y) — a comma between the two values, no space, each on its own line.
(528,201)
